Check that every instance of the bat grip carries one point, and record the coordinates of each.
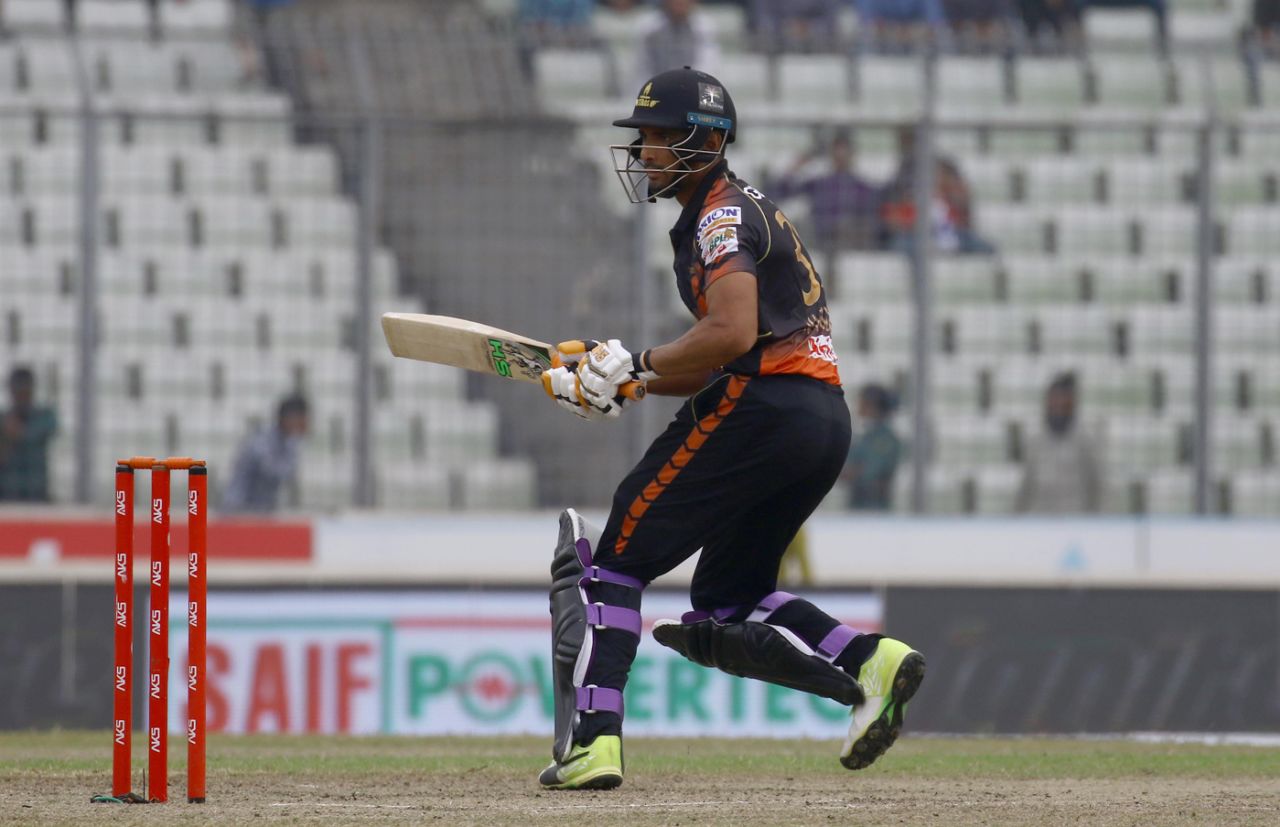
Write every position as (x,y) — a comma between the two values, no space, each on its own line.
(633,390)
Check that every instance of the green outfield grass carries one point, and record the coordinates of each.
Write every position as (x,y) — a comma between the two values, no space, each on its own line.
(48,777)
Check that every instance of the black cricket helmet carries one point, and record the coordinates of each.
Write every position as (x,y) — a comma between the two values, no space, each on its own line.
(683,99)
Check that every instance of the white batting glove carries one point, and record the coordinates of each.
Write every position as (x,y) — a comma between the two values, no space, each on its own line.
(561,384)
(606,369)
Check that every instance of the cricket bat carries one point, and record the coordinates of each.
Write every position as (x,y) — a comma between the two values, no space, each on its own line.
(445,340)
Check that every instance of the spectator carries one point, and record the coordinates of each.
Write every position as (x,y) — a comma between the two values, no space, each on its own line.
(267,460)
(844,207)
(677,35)
(1051,22)
(25,432)
(556,22)
(1158,8)
(261,55)
(979,25)
(874,455)
(1060,474)
(951,212)
(1266,24)
(900,25)
(796,25)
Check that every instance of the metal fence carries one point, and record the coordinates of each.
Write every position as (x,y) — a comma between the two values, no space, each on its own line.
(172,271)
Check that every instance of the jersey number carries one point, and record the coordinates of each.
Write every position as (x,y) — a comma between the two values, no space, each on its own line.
(815,287)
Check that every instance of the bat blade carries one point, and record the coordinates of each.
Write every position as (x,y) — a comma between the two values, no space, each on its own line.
(465,344)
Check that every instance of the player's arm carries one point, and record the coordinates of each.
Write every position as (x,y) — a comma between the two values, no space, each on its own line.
(727,331)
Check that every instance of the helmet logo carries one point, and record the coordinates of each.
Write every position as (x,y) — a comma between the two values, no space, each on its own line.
(711,97)
(644,101)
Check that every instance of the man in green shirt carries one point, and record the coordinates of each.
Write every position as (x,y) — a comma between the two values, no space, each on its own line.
(25,433)
(874,454)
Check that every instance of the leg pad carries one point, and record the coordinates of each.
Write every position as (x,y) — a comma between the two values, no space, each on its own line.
(751,649)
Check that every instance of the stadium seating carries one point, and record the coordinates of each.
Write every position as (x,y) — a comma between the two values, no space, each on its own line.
(226,266)
(1083,171)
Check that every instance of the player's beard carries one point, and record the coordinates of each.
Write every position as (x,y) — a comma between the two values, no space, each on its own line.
(666,185)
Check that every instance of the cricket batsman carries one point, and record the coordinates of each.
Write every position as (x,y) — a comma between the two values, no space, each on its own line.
(758,443)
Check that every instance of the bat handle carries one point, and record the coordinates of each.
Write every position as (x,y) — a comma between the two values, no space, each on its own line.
(633,390)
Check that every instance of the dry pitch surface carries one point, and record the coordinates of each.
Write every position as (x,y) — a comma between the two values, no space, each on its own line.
(47,778)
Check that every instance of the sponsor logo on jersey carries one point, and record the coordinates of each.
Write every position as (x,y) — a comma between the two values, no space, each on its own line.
(821,347)
(719,217)
(722,241)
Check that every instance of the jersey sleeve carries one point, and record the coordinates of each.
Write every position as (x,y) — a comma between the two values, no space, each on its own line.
(730,240)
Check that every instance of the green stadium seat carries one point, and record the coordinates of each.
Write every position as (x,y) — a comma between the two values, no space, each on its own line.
(983,331)
(1253,182)
(965,280)
(863,279)
(1124,30)
(1169,231)
(1049,84)
(817,83)
(1243,442)
(1146,181)
(1129,281)
(997,488)
(112,16)
(1095,231)
(1157,331)
(1242,329)
(1169,491)
(1245,281)
(1144,443)
(750,72)
(33,15)
(571,76)
(1255,493)
(1063,179)
(957,385)
(1080,330)
(1014,229)
(990,179)
(1253,231)
(883,331)
(1131,83)
(891,86)
(1047,280)
(498,485)
(205,18)
(968,441)
(1226,87)
(970,86)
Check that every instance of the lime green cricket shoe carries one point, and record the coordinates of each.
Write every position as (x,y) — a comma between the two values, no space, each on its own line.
(889,678)
(594,767)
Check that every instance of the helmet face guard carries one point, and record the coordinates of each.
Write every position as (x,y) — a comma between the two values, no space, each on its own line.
(690,159)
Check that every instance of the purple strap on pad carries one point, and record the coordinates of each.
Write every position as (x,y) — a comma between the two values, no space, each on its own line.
(583,547)
(613,617)
(595,573)
(599,699)
(835,642)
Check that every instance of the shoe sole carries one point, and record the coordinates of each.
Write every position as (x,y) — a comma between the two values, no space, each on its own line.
(885,729)
(606,780)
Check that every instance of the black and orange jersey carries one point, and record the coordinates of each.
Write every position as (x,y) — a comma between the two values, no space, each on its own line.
(729,227)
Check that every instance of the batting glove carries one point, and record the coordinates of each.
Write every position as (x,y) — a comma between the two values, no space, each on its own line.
(604,371)
(561,384)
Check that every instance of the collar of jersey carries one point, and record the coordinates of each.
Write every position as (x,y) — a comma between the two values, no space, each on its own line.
(689,217)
